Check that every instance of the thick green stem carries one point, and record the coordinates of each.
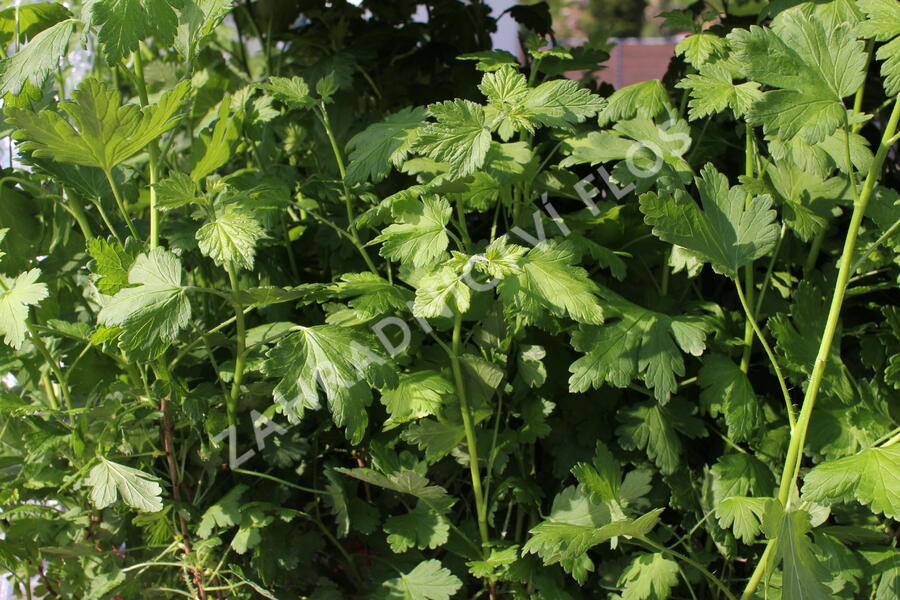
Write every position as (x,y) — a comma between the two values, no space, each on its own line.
(120,203)
(798,435)
(152,150)
(240,358)
(471,443)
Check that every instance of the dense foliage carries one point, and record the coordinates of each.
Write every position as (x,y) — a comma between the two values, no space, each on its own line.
(299,302)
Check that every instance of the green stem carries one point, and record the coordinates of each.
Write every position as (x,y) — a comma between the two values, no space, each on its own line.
(240,358)
(789,407)
(351,227)
(282,482)
(798,434)
(120,203)
(152,150)
(749,152)
(471,443)
(689,561)
(860,92)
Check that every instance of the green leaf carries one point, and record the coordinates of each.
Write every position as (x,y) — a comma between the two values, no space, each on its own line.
(813,65)
(634,342)
(420,528)
(28,20)
(658,429)
(101,133)
(712,91)
(697,49)
(647,99)
(214,150)
(197,21)
(112,261)
(741,475)
(561,103)
(420,236)
(491,60)
(728,232)
(16,296)
(872,477)
(725,384)
(649,577)
(436,438)
(418,394)
(176,191)
(602,477)
(125,23)
(797,336)
(153,312)
(231,238)
(442,293)
(294,92)
(37,59)
(138,489)
(372,295)
(497,562)
(404,482)
(576,524)
(224,514)
(742,515)
(342,361)
(803,574)
(384,144)
(428,581)
(500,258)
(549,281)
(460,137)
(883,24)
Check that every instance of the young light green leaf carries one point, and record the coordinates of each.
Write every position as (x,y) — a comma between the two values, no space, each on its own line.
(418,394)
(372,295)
(16,296)
(420,236)
(872,477)
(460,137)
(420,528)
(698,48)
(294,92)
(436,438)
(37,59)
(383,144)
(125,23)
(112,261)
(101,133)
(549,281)
(635,342)
(342,361)
(712,91)
(153,312)
(561,103)
(176,191)
(138,489)
(813,65)
(647,99)
(442,293)
(649,577)
(658,429)
(602,477)
(428,581)
(725,385)
(231,238)
(728,231)
(214,149)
